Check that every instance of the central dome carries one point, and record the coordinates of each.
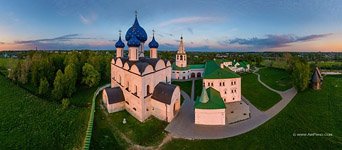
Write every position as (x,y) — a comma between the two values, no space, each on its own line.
(136,30)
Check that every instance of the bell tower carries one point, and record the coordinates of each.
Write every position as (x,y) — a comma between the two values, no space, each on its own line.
(181,59)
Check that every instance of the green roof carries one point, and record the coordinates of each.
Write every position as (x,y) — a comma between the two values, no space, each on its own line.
(214,71)
(196,66)
(243,64)
(175,67)
(215,100)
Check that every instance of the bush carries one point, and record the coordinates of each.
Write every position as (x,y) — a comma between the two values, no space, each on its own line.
(65,103)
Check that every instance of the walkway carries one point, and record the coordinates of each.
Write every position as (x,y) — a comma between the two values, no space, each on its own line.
(183,125)
(87,138)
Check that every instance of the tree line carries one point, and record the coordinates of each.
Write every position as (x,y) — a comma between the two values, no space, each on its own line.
(59,75)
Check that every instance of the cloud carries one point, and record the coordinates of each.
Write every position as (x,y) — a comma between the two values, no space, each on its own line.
(63,38)
(189,20)
(273,41)
(69,41)
(88,19)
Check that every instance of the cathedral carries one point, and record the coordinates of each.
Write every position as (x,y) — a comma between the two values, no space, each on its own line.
(141,85)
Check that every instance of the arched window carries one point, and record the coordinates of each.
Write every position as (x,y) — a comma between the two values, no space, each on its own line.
(199,75)
(147,90)
(181,57)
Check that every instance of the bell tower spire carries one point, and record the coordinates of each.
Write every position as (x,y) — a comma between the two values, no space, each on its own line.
(181,58)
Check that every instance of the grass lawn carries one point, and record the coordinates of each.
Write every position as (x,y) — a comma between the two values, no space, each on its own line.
(257,94)
(104,135)
(309,112)
(28,122)
(278,79)
(149,133)
(185,86)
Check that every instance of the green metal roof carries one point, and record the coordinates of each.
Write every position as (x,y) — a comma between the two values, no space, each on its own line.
(175,67)
(243,64)
(215,100)
(196,66)
(214,71)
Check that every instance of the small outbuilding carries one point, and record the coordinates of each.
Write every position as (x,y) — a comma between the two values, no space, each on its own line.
(113,99)
(316,79)
(210,108)
(165,101)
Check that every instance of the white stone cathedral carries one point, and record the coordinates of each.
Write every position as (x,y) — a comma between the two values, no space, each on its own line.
(141,85)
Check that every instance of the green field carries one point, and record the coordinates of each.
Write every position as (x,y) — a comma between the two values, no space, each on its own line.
(278,79)
(257,94)
(309,112)
(28,122)
(149,133)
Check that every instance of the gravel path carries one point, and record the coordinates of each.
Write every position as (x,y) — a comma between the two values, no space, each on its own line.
(183,125)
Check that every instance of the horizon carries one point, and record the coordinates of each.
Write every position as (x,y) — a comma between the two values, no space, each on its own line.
(207,26)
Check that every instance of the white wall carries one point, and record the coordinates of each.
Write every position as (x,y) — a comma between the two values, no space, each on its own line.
(210,116)
(228,92)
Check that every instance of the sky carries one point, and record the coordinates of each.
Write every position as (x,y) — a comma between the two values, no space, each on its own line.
(206,25)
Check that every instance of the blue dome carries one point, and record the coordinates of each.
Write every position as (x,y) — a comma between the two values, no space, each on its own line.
(133,42)
(153,43)
(136,30)
(119,43)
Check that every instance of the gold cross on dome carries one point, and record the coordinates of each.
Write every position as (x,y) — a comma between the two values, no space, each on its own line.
(120,32)
(136,13)
(153,31)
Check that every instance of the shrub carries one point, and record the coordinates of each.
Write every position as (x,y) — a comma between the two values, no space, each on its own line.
(65,103)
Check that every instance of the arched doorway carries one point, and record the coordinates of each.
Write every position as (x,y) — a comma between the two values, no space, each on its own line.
(176,107)
(193,75)
(183,77)
(199,75)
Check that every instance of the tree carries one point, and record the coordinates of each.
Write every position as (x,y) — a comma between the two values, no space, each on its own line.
(14,70)
(70,78)
(24,71)
(91,77)
(58,86)
(43,86)
(300,74)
